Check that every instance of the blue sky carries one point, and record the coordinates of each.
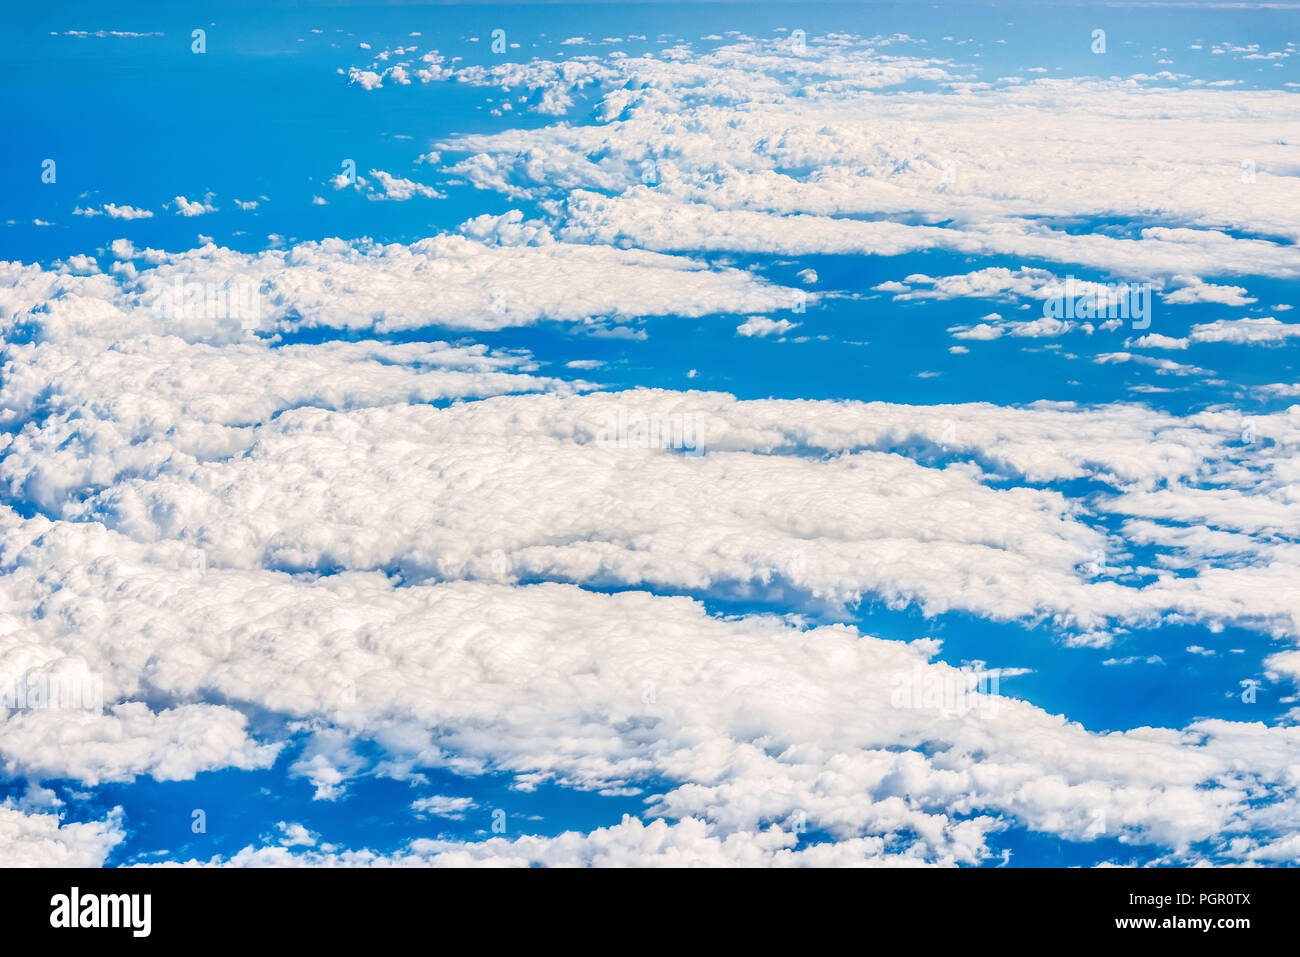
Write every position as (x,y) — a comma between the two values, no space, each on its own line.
(373,546)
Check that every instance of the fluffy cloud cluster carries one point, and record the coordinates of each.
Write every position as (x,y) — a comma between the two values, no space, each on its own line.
(756,147)
(753,722)
(436,555)
(39,839)
(1246,331)
(298,531)
(693,491)
(216,294)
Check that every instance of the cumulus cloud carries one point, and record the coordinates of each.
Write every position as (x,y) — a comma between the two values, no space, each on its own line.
(114,211)
(745,715)
(82,265)
(1197,291)
(447,281)
(1265,330)
(633,843)
(560,510)
(41,840)
(763,326)
(126,740)
(198,533)
(188,207)
(405,555)
(438,805)
(399,189)
(366,79)
(725,184)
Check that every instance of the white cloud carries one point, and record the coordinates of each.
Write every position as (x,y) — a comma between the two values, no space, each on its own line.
(446,280)
(115,212)
(82,265)
(40,840)
(1006,553)
(127,740)
(366,79)
(1155,340)
(655,222)
(216,524)
(409,667)
(452,808)
(983,332)
(763,326)
(1198,291)
(185,572)
(126,212)
(399,189)
(1245,331)
(186,207)
(1162,366)
(633,843)
(723,185)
